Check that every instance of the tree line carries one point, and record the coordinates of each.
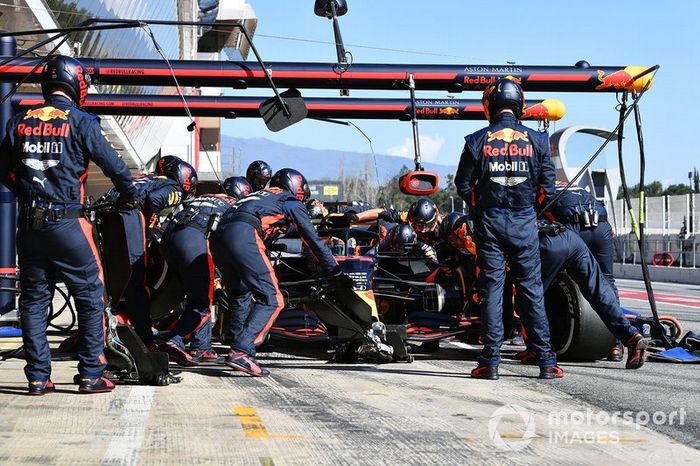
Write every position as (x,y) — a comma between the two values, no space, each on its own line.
(366,188)
(655,188)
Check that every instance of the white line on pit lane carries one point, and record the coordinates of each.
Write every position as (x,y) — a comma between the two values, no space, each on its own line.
(462,345)
(666,303)
(640,283)
(130,429)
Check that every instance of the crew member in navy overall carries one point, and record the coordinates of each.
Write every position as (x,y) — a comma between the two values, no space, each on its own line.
(44,161)
(562,249)
(502,170)
(579,211)
(185,246)
(155,194)
(239,247)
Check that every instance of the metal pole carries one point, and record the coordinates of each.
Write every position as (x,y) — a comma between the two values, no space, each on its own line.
(687,214)
(664,221)
(693,214)
(8,204)
(624,217)
(414,122)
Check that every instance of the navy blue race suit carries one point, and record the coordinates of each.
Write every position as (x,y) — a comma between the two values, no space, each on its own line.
(185,246)
(239,247)
(44,161)
(574,209)
(155,194)
(567,251)
(503,169)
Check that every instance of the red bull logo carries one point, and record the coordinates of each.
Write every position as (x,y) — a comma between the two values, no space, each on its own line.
(299,184)
(479,80)
(512,150)
(82,83)
(536,112)
(507,135)
(449,111)
(428,111)
(618,80)
(548,109)
(186,179)
(44,129)
(47,113)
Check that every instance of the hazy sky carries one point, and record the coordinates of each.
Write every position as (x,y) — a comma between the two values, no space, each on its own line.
(527,33)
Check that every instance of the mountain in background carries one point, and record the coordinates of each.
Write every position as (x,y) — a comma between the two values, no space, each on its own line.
(313,163)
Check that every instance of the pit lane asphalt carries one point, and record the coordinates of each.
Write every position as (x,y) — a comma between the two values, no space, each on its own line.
(311,411)
(657,386)
(662,387)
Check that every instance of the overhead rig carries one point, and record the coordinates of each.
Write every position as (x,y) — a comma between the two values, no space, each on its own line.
(318,107)
(359,76)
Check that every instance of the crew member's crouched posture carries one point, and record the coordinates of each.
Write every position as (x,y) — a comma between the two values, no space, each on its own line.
(239,250)
(579,211)
(186,248)
(562,249)
(500,172)
(44,160)
(142,225)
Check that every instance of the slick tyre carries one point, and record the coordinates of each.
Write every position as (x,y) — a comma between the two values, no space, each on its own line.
(577,333)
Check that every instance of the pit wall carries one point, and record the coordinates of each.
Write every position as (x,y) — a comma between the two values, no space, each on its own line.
(659,274)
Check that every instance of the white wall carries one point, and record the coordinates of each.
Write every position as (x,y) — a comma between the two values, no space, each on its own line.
(179,141)
(659,274)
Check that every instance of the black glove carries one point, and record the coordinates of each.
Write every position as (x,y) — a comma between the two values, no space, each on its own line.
(351,217)
(127,204)
(546,227)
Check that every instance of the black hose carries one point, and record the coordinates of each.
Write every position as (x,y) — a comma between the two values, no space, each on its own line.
(640,238)
(54,315)
(628,202)
(621,162)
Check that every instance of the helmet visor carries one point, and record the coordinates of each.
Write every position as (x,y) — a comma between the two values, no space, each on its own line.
(421,226)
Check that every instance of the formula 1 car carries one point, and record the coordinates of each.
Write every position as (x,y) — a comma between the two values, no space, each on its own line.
(431,303)
(410,292)
(400,288)
(344,313)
